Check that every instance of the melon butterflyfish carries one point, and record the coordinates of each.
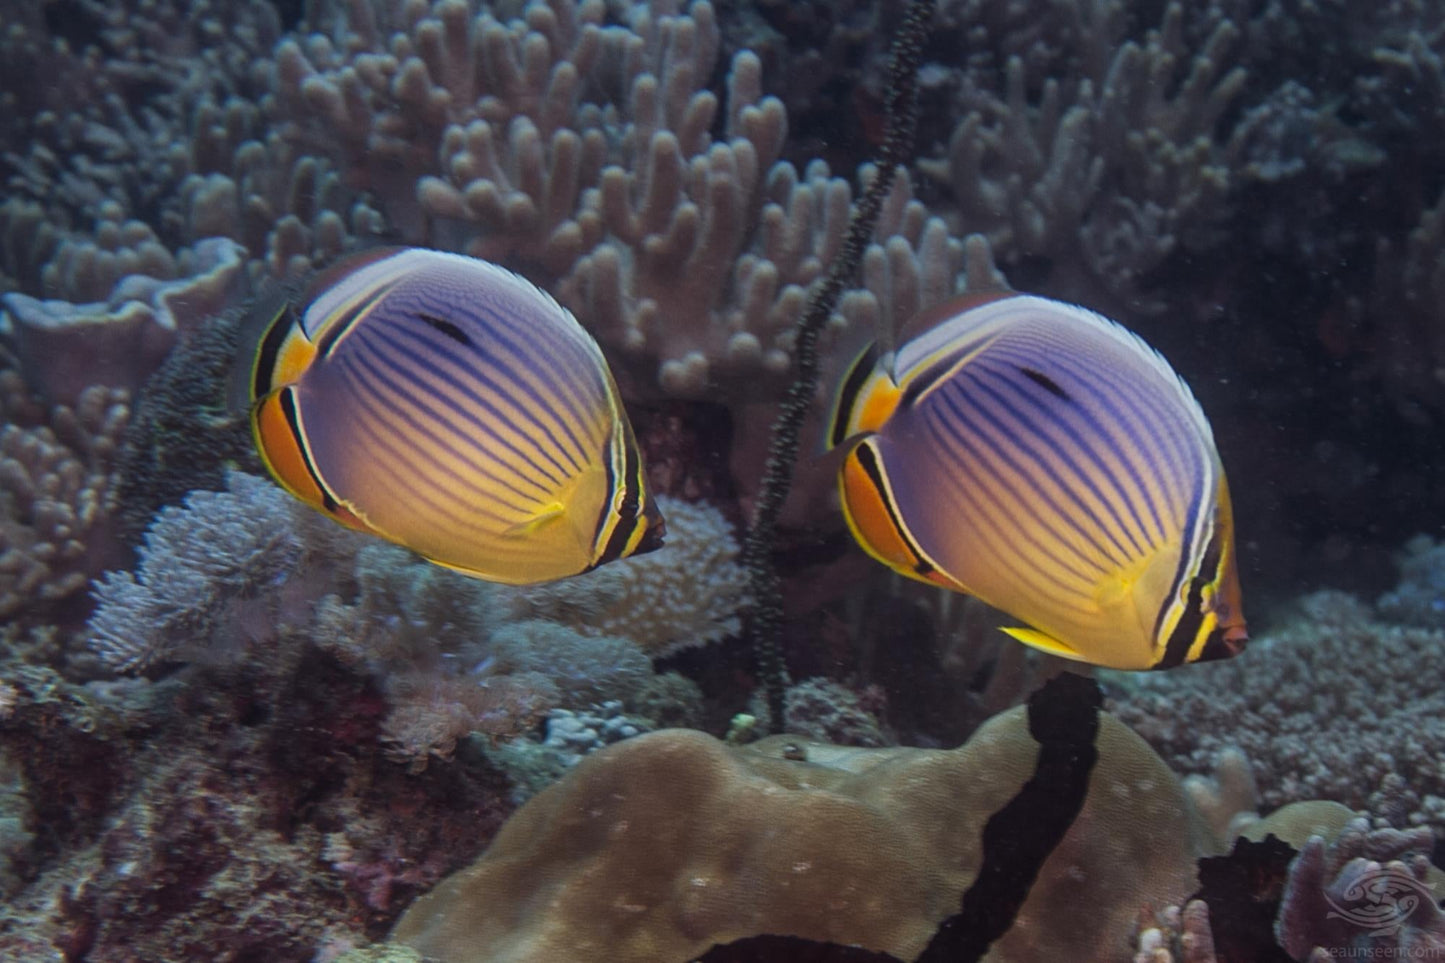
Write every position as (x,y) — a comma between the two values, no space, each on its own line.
(448,405)
(1044,459)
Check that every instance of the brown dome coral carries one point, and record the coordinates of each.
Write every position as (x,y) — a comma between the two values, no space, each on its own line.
(660,847)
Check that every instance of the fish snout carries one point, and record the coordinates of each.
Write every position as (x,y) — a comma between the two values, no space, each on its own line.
(1225,642)
(653,537)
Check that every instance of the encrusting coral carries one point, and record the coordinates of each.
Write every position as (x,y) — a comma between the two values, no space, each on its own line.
(1329,706)
(658,847)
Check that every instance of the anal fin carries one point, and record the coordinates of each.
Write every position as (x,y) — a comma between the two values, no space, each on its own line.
(1042,642)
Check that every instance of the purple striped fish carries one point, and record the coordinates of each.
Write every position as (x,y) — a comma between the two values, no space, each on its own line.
(1045,459)
(450,406)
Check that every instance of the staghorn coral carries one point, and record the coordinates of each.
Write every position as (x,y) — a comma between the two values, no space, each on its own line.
(582,152)
(101,121)
(57,487)
(1328,706)
(1110,169)
(755,850)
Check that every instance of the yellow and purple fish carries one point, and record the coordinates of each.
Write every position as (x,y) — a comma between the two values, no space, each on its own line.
(1045,459)
(450,406)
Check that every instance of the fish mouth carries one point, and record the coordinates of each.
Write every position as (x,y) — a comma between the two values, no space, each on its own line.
(652,538)
(1224,643)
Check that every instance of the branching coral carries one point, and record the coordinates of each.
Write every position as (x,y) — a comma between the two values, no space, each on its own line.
(1111,169)
(1365,888)
(57,485)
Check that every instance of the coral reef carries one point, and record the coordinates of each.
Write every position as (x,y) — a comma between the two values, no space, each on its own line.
(1111,169)
(285,731)
(119,342)
(1365,885)
(1419,597)
(1328,706)
(755,850)
(822,710)
(642,598)
(247,812)
(197,562)
(57,495)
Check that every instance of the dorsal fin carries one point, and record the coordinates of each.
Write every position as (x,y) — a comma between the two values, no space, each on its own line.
(930,317)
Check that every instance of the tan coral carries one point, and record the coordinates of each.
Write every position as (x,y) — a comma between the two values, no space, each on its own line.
(657,848)
(57,488)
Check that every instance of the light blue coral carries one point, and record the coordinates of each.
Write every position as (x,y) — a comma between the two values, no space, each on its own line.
(196,560)
(1419,598)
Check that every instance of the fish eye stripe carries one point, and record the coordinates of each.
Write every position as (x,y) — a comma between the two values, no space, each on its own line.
(336,329)
(626,524)
(1191,620)
(1190,533)
(287,399)
(868,461)
(270,348)
(848,394)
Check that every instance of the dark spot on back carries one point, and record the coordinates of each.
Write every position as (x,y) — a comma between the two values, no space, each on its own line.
(446,328)
(1045,382)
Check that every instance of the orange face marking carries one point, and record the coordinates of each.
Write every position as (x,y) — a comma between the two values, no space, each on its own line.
(868,515)
(281,450)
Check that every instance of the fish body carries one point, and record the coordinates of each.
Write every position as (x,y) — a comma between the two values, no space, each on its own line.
(450,406)
(1045,459)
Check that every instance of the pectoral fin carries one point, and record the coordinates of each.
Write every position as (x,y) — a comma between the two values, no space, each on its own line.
(545,514)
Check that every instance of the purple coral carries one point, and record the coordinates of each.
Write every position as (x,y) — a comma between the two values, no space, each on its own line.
(1368,893)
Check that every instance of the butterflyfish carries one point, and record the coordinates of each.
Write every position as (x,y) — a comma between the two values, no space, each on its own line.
(448,405)
(1046,460)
